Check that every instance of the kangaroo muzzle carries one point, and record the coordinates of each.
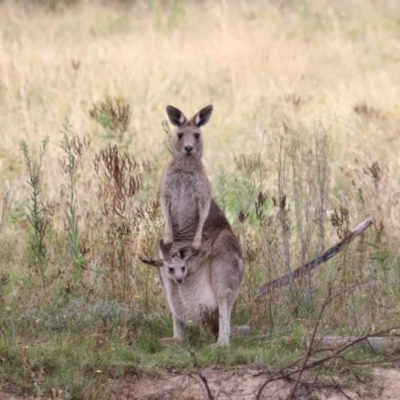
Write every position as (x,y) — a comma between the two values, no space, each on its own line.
(188,150)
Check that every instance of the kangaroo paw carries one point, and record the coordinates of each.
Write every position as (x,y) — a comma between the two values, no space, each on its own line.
(196,246)
(167,242)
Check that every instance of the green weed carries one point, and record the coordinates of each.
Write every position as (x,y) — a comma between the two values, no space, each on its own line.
(36,217)
(69,163)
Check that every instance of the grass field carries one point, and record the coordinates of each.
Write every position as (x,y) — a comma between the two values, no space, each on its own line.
(302,146)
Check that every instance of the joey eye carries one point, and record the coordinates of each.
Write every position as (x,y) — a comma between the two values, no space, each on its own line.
(171,270)
(180,135)
(197,135)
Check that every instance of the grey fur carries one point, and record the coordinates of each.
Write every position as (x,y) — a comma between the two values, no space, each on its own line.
(209,280)
(200,259)
(185,191)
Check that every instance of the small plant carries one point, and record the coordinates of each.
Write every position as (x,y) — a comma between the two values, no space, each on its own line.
(293,99)
(36,217)
(364,110)
(114,115)
(247,181)
(119,185)
(341,221)
(222,188)
(168,139)
(4,207)
(73,149)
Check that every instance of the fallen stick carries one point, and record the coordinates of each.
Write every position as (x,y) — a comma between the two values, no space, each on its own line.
(379,344)
(286,279)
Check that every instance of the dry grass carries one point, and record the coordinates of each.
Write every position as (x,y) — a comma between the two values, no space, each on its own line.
(307,108)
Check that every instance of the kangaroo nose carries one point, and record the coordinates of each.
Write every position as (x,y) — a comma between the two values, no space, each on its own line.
(179,280)
(188,149)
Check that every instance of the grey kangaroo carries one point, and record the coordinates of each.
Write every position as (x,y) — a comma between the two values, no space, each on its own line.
(185,192)
(199,257)
(208,281)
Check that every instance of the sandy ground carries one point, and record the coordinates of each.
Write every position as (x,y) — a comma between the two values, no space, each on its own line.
(242,385)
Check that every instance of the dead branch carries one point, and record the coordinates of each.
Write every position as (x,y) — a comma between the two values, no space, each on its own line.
(299,366)
(201,376)
(151,261)
(286,279)
(311,345)
(387,345)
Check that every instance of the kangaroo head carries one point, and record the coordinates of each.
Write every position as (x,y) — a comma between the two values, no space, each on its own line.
(175,262)
(188,140)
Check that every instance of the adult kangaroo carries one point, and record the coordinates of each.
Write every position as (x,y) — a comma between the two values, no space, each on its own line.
(199,257)
(185,191)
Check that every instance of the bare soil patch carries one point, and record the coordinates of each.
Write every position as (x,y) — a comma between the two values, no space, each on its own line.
(241,384)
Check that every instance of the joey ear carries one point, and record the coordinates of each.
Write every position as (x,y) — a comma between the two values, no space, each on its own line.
(164,249)
(185,253)
(203,116)
(175,116)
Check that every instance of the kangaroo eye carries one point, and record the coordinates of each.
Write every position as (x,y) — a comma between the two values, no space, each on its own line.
(180,135)
(197,135)
(171,270)
(183,269)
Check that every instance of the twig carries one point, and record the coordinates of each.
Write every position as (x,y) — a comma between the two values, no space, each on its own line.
(311,345)
(337,387)
(286,279)
(205,382)
(377,344)
(201,376)
(291,370)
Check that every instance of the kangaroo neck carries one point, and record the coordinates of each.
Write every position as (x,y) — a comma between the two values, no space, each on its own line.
(187,163)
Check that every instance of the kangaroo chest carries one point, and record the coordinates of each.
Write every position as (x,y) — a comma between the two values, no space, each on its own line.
(184,210)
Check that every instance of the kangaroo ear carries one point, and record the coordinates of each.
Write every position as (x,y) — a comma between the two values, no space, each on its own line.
(185,253)
(175,116)
(203,116)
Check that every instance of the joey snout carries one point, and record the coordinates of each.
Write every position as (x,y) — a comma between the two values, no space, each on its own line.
(177,273)
(180,275)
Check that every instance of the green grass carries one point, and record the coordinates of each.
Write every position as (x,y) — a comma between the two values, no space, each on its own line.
(304,128)
(68,355)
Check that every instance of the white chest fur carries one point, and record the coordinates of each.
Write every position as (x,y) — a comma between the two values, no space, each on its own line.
(189,300)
